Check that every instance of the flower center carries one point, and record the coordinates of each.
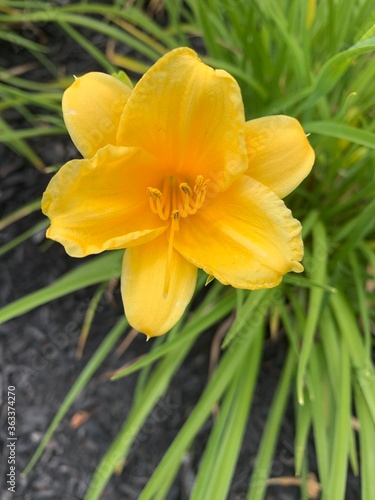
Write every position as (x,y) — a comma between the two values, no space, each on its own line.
(176,201)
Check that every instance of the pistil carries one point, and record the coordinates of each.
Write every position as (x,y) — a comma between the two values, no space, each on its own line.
(175,216)
(176,201)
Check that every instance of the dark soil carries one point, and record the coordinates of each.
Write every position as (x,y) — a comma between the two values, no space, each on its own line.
(37,354)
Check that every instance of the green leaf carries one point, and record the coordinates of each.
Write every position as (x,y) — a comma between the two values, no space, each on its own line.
(123,77)
(95,271)
(341,131)
(218,463)
(331,72)
(364,369)
(302,433)
(317,268)
(203,318)
(321,413)
(155,388)
(81,382)
(168,467)
(23,237)
(249,315)
(367,444)
(341,433)
(258,483)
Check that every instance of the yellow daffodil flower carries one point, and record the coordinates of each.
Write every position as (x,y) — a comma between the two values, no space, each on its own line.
(173,173)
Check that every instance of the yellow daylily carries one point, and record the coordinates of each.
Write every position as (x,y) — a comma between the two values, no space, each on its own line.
(173,173)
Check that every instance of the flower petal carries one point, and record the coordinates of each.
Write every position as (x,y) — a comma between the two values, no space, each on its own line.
(147,308)
(245,237)
(102,203)
(280,155)
(92,107)
(190,115)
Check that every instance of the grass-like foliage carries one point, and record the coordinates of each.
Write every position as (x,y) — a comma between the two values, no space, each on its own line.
(308,59)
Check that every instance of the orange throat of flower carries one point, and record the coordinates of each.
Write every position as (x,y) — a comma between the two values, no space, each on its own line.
(177,200)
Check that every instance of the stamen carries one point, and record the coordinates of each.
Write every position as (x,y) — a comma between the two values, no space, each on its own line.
(187,192)
(153,194)
(173,190)
(155,203)
(184,186)
(175,216)
(175,219)
(201,195)
(166,199)
(198,183)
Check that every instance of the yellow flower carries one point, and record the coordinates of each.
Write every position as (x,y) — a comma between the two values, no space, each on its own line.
(174,174)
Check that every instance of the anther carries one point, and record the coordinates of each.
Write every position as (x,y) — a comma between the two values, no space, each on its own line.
(154,193)
(199,182)
(186,200)
(184,186)
(176,214)
(175,219)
